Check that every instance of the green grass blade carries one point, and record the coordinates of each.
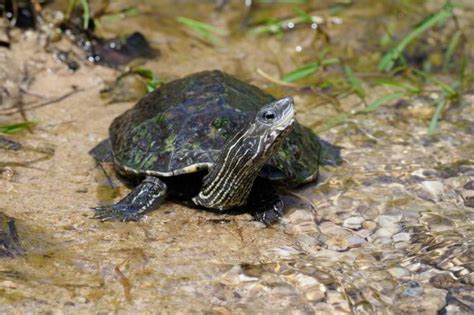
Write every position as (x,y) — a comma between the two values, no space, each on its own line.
(330,61)
(388,60)
(301,73)
(355,82)
(206,31)
(152,80)
(380,101)
(405,86)
(341,118)
(114,17)
(199,26)
(86,15)
(305,17)
(144,72)
(9,129)
(440,104)
(453,44)
(333,122)
(449,91)
(307,70)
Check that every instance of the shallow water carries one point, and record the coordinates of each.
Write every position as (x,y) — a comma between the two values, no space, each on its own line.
(386,232)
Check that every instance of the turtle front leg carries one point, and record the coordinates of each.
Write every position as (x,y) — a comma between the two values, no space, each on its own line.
(264,202)
(145,197)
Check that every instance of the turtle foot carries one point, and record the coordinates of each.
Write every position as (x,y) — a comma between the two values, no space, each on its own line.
(116,212)
(144,198)
(270,216)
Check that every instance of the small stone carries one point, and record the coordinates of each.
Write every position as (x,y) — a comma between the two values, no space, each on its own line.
(467,170)
(399,272)
(435,188)
(443,280)
(411,289)
(369,225)
(337,300)
(315,294)
(364,233)
(383,232)
(300,222)
(324,278)
(434,299)
(382,241)
(354,223)
(414,267)
(312,288)
(401,237)
(337,243)
(469,185)
(355,240)
(388,220)
(284,251)
(7,173)
(331,229)
(468,197)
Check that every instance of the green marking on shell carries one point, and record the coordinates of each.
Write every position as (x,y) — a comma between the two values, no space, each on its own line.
(169,143)
(221,122)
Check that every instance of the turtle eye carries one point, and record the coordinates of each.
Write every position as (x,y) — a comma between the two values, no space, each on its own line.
(268,115)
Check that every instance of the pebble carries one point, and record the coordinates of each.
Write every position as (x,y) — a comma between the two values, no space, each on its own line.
(337,243)
(356,240)
(354,223)
(300,222)
(369,225)
(312,288)
(337,299)
(401,237)
(331,229)
(384,232)
(414,267)
(364,233)
(382,241)
(433,187)
(469,185)
(468,197)
(399,272)
(285,251)
(7,173)
(388,220)
(411,289)
(433,300)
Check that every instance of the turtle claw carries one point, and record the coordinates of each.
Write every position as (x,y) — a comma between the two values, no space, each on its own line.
(115,212)
(270,216)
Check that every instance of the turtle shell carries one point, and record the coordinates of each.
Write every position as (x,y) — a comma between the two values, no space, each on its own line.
(182,126)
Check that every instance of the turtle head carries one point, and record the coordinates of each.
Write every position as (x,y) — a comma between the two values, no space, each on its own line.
(231,178)
(272,123)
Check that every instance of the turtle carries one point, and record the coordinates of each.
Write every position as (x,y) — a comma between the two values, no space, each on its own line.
(216,143)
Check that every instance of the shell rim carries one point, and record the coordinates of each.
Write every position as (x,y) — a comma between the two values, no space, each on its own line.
(197,167)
